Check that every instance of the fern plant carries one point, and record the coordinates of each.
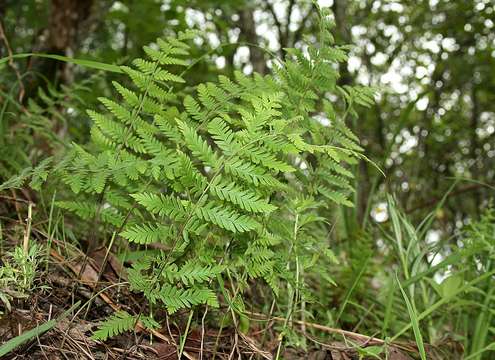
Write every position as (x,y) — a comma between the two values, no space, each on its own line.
(29,132)
(211,171)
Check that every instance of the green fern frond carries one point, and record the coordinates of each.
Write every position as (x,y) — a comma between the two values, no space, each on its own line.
(335,196)
(192,272)
(129,96)
(117,324)
(216,171)
(119,111)
(246,200)
(163,58)
(249,172)
(193,108)
(147,233)
(175,299)
(162,205)
(198,146)
(167,125)
(83,209)
(226,218)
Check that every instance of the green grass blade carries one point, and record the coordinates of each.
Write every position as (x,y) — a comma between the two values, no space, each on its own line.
(37,331)
(443,301)
(490,347)
(483,321)
(81,62)
(414,321)
(353,286)
(388,308)
(397,227)
(451,259)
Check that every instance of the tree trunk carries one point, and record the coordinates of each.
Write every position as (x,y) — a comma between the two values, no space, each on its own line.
(62,37)
(339,8)
(248,31)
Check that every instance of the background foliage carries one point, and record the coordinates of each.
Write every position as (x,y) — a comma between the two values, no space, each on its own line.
(412,259)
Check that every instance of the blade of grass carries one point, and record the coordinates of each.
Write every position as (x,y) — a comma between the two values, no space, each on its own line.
(352,288)
(396,225)
(483,321)
(490,347)
(443,301)
(184,337)
(414,321)
(82,62)
(14,343)
(388,308)
(451,259)
(50,231)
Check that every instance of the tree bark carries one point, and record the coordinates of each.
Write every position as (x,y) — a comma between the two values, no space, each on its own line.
(62,37)
(339,8)
(474,144)
(248,31)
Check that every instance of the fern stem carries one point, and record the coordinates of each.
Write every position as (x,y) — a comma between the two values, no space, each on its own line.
(184,338)
(292,293)
(203,194)
(203,318)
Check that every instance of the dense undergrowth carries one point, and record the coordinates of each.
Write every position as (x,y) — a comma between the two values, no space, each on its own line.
(219,206)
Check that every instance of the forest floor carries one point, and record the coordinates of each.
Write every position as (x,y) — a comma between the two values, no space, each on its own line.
(96,283)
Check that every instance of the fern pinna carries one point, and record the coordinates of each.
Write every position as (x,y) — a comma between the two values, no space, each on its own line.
(209,171)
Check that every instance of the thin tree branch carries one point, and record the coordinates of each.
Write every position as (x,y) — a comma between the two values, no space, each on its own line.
(289,16)
(434,200)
